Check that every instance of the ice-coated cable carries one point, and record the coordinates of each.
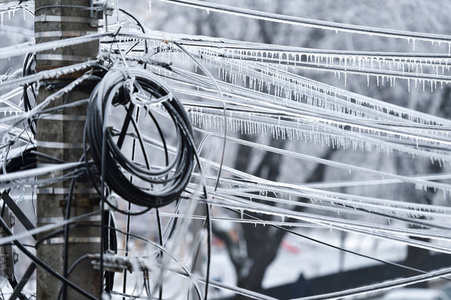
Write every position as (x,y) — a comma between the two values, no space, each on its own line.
(267,16)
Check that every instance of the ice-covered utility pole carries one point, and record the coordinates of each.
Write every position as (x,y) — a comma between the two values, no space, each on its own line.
(60,135)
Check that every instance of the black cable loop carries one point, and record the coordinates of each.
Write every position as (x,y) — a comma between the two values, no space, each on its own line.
(163,184)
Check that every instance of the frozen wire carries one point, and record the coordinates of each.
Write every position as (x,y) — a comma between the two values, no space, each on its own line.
(337,198)
(312,23)
(372,230)
(413,180)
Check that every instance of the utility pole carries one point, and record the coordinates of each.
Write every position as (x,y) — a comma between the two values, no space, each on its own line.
(60,135)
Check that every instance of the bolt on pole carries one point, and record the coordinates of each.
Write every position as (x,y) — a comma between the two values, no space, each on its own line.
(60,135)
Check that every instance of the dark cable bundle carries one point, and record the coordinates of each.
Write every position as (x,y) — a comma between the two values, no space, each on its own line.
(132,89)
(25,161)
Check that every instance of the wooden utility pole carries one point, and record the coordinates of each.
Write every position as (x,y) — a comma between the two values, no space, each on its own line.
(61,135)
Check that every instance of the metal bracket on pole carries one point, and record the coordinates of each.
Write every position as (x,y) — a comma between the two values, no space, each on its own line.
(107,7)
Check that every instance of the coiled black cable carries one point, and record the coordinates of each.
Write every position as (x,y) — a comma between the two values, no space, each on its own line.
(135,88)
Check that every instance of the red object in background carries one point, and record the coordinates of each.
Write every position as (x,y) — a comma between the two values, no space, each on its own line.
(290,248)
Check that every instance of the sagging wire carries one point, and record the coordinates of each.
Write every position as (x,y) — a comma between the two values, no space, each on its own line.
(348,70)
(346,63)
(357,205)
(344,166)
(258,51)
(208,220)
(213,80)
(249,52)
(367,289)
(332,197)
(334,132)
(140,25)
(293,82)
(353,207)
(312,23)
(334,223)
(379,287)
(385,262)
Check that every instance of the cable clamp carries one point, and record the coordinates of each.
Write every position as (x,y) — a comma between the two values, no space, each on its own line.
(111,202)
(107,6)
